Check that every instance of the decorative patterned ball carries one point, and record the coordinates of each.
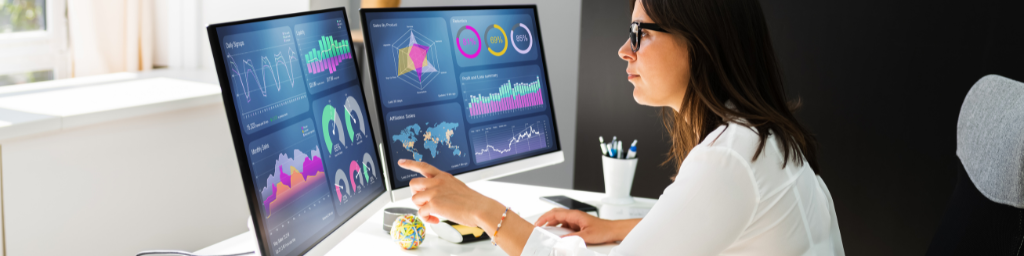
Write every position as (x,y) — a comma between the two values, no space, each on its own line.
(407,231)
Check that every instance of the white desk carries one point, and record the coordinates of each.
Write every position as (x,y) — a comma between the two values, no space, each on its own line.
(370,238)
(91,160)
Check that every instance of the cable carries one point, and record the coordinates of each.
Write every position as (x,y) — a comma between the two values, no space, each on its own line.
(184,253)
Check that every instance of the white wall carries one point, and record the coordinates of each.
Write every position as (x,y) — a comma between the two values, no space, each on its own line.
(180,26)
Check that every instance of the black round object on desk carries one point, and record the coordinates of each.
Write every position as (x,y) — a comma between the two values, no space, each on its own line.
(390,214)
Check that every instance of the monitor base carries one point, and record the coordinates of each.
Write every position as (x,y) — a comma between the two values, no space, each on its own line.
(252,234)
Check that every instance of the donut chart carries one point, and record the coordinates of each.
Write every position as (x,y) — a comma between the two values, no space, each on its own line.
(458,41)
(494,39)
(517,39)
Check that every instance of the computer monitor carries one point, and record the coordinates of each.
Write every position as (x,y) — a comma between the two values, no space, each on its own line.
(298,117)
(462,88)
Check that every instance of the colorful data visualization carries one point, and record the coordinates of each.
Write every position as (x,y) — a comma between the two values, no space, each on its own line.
(413,61)
(492,39)
(265,76)
(505,92)
(307,144)
(288,169)
(502,101)
(326,54)
(350,156)
(433,134)
(506,139)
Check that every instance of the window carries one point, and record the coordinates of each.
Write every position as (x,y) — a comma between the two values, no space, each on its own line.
(33,41)
(22,15)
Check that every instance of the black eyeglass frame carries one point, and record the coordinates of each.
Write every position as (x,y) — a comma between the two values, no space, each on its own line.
(634,33)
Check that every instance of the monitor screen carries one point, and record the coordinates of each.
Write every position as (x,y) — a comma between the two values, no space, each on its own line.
(300,124)
(461,88)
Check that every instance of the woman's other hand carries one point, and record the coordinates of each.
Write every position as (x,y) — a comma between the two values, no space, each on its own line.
(592,229)
(439,193)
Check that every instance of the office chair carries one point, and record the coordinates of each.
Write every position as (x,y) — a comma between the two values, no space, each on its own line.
(985,215)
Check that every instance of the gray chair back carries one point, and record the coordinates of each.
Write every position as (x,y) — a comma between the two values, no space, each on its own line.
(990,139)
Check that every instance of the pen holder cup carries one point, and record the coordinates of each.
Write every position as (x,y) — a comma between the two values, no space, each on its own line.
(618,179)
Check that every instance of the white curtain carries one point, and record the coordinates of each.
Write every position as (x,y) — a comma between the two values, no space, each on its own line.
(107,36)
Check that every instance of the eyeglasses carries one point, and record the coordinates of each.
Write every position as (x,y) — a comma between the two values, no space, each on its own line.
(635,30)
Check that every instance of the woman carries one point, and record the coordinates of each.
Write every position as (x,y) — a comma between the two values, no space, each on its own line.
(747,181)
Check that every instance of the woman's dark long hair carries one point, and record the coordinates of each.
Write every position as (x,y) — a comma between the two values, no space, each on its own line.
(731,59)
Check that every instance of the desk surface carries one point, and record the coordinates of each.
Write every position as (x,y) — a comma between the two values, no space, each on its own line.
(35,108)
(370,238)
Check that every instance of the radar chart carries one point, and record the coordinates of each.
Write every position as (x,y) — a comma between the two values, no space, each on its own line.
(413,58)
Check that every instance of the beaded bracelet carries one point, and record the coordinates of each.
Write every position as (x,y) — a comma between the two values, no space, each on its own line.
(495,236)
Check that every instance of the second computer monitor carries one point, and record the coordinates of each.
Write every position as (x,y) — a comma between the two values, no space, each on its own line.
(462,88)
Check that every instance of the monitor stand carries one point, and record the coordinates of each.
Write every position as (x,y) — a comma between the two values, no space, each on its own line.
(252,235)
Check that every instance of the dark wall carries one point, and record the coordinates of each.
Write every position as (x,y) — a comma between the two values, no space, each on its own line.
(606,107)
(881,84)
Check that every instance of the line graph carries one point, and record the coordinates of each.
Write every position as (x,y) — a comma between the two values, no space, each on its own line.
(274,67)
(509,139)
(265,73)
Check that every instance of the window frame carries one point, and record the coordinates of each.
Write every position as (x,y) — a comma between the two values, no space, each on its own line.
(39,50)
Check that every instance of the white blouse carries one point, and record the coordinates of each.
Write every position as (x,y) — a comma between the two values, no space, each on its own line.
(722,203)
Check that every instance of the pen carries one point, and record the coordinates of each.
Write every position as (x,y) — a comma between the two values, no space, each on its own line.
(619,148)
(604,149)
(632,151)
(615,146)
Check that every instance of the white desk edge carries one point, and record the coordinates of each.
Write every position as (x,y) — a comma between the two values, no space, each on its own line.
(370,239)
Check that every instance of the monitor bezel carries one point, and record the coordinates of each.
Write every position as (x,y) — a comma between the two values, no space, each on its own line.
(490,172)
(331,239)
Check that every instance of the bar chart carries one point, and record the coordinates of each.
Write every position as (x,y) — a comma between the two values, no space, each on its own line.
(508,98)
(499,93)
(326,54)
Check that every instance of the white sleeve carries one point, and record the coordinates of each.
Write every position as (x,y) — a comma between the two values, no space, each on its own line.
(703,212)
(544,243)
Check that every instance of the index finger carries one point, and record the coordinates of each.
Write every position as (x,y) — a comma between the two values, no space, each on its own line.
(554,217)
(422,168)
(421,184)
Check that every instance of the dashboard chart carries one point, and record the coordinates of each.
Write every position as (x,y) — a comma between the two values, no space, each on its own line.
(291,180)
(509,97)
(342,119)
(350,157)
(326,54)
(501,109)
(511,138)
(418,64)
(499,93)
(264,72)
(491,39)
(363,172)
(433,134)
(300,124)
